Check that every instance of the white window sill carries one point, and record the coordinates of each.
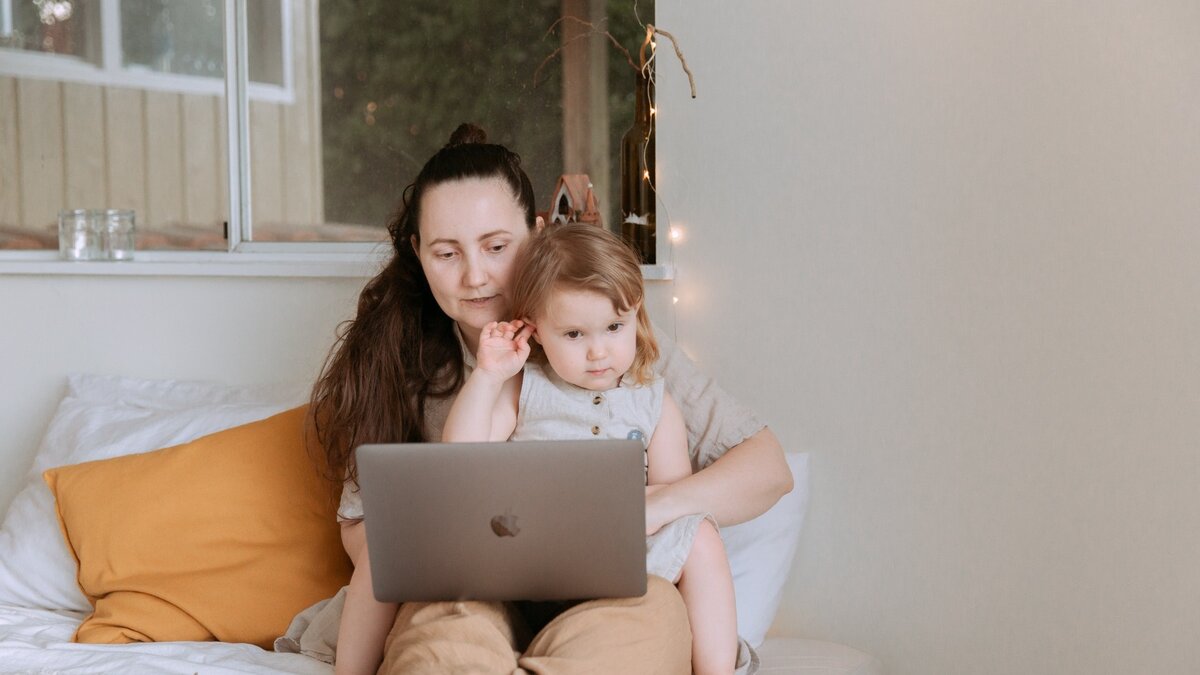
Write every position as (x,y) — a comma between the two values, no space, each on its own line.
(220,264)
(200,264)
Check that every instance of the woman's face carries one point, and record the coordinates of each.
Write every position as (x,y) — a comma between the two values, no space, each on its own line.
(470,233)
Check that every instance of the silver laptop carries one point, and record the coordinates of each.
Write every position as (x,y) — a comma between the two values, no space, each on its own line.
(538,520)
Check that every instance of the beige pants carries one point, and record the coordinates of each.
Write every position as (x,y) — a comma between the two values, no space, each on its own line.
(649,634)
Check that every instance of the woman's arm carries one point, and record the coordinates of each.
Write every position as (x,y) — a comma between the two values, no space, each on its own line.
(742,470)
(365,621)
(740,485)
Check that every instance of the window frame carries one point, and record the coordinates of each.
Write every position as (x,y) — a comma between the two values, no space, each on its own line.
(242,256)
(112,73)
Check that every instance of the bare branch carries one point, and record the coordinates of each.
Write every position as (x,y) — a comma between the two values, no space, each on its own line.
(678,53)
(593,30)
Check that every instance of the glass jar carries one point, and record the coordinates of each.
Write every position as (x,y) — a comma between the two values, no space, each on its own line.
(76,236)
(116,233)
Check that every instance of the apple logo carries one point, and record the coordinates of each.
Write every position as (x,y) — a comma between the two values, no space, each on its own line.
(505,525)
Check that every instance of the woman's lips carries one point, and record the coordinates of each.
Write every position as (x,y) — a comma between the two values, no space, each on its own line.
(479,302)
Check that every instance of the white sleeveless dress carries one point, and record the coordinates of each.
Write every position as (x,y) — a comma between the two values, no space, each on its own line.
(552,409)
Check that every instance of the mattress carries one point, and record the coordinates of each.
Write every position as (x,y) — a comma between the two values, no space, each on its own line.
(39,641)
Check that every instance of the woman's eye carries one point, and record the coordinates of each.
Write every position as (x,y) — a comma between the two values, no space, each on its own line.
(497,248)
(444,255)
(573,334)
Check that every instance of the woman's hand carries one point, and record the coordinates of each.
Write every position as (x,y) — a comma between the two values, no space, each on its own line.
(503,348)
(657,512)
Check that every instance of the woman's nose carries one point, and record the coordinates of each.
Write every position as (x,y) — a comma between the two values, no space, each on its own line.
(475,274)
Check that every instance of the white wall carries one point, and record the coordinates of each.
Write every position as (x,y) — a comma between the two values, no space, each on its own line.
(951,249)
(233,330)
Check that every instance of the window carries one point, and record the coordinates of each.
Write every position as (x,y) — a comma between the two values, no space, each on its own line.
(166,45)
(122,104)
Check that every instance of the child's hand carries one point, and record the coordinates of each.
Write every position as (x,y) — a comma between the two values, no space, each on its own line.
(504,347)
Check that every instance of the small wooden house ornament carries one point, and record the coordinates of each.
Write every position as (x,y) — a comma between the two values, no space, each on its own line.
(574,201)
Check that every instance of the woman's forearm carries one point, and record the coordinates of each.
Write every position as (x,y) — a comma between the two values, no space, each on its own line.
(740,485)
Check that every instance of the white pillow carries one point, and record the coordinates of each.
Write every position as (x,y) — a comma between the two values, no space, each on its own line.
(103,417)
(760,554)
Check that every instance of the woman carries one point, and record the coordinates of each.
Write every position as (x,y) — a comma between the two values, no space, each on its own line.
(391,378)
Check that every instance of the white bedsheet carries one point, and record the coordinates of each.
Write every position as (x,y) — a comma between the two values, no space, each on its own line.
(39,641)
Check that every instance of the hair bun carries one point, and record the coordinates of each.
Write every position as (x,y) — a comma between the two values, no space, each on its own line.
(467,133)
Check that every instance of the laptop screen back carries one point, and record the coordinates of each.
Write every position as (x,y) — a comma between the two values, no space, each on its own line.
(536,520)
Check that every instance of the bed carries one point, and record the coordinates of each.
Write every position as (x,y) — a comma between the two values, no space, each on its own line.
(39,641)
(159,530)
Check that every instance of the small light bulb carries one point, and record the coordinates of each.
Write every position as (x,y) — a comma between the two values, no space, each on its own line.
(653,111)
(645,174)
(674,300)
(676,234)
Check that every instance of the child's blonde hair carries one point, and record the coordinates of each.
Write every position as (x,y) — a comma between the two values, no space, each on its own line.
(584,257)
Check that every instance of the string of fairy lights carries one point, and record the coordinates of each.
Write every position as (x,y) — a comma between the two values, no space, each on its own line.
(675,233)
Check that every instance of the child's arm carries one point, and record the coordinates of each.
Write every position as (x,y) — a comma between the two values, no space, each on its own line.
(667,458)
(667,455)
(486,406)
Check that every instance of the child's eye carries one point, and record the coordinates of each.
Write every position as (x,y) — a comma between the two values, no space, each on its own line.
(614,327)
(573,334)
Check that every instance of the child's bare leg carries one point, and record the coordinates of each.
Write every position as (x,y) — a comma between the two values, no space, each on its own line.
(365,620)
(707,589)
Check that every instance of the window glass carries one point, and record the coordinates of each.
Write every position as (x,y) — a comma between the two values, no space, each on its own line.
(397,77)
(185,37)
(65,27)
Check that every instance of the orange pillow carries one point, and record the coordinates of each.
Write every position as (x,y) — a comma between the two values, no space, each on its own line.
(226,537)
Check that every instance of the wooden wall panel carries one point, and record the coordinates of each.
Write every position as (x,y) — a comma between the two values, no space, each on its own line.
(83,135)
(302,179)
(40,143)
(266,160)
(10,172)
(204,174)
(164,160)
(125,126)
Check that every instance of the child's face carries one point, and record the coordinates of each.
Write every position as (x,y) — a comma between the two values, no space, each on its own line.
(587,342)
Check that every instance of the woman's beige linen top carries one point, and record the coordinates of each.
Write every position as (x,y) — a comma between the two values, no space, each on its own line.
(715,420)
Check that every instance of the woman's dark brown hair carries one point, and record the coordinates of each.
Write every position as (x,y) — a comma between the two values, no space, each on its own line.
(400,348)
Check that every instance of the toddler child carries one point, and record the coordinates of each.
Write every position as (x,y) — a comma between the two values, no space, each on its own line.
(577,292)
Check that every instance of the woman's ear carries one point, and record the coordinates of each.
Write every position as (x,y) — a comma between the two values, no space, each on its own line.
(539,224)
(416,245)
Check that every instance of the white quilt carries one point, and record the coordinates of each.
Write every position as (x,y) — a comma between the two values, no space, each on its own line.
(39,641)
